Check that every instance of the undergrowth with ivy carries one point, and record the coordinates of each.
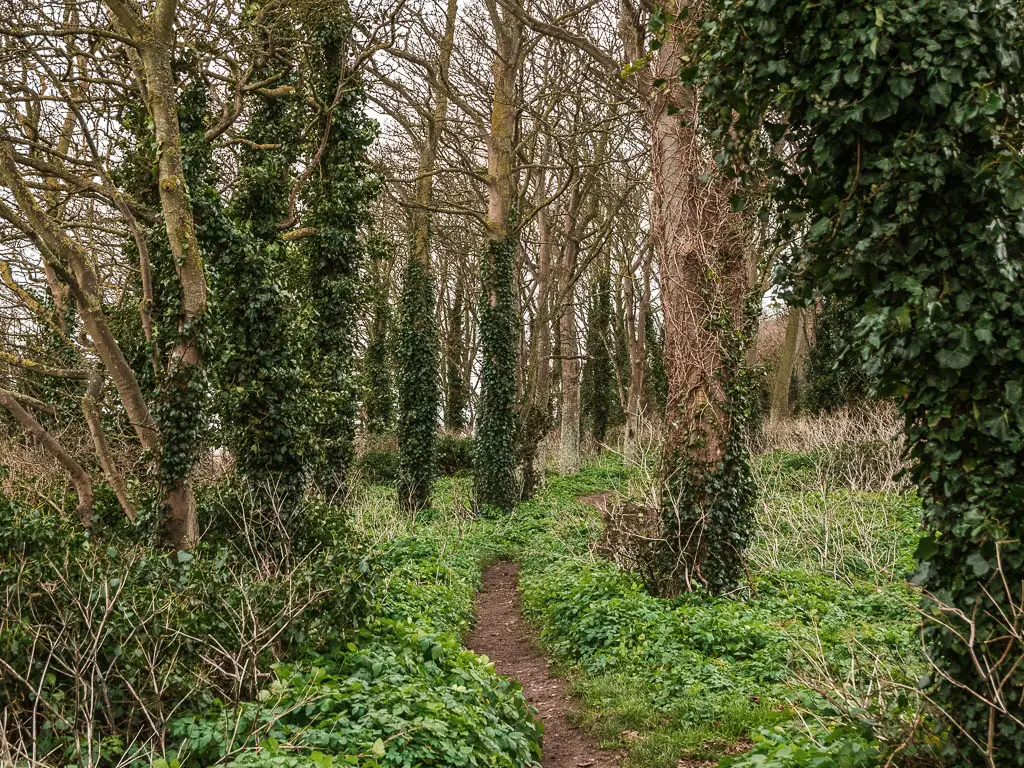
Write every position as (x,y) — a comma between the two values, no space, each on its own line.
(902,193)
(804,667)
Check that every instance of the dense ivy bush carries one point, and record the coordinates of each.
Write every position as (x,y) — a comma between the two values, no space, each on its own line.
(455,454)
(901,191)
(833,371)
(379,467)
(419,391)
(495,483)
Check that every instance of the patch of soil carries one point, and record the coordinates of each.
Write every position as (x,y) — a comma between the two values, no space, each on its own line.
(599,501)
(503,636)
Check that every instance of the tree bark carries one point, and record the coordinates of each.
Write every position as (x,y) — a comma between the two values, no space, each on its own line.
(701,249)
(781,408)
(636,328)
(90,409)
(80,479)
(154,39)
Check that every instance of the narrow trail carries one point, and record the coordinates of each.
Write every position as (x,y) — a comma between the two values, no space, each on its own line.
(503,636)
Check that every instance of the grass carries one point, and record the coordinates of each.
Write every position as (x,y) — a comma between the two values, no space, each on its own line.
(823,636)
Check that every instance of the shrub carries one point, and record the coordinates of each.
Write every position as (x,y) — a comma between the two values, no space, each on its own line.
(400,696)
(781,748)
(102,643)
(379,467)
(454,455)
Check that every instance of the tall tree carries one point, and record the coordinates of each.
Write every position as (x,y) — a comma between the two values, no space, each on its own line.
(495,482)
(338,186)
(906,199)
(702,250)
(456,398)
(419,375)
(378,365)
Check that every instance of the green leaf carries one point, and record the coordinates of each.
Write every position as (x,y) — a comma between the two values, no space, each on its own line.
(978,564)
(956,359)
(927,547)
(940,93)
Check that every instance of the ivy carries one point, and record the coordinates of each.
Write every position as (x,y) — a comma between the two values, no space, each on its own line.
(456,399)
(494,480)
(833,372)
(335,199)
(707,506)
(418,387)
(179,394)
(378,384)
(598,398)
(901,190)
(258,370)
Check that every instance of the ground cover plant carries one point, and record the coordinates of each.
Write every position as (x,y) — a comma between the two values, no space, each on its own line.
(818,660)
(350,653)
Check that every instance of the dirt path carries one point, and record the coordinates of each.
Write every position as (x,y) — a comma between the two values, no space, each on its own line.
(502,634)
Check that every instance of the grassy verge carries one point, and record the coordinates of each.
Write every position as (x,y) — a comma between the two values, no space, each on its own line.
(813,661)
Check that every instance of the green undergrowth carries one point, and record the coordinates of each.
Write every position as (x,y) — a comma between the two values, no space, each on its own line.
(402,691)
(814,661)
(811,665)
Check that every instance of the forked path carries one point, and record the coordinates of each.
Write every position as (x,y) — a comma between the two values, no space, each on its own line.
(503,636)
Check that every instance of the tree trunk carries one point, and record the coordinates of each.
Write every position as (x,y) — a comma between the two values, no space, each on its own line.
(535,418)
(701,249)
(495,483)
(781,408)
(154,39)
(636,328)
(90,409)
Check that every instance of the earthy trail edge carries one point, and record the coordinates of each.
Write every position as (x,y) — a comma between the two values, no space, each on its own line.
(503,636)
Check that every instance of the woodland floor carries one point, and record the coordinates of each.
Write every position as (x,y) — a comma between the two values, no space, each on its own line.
(503,636)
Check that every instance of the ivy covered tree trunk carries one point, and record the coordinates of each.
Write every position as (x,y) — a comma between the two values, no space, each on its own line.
(599,386)
(379,385)
(456,399)
(418,353)
(418,391)
(906,199)
(340,184)
(495,479)
(706,493)
(258,378)
(495,482)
